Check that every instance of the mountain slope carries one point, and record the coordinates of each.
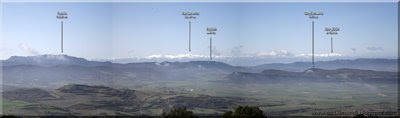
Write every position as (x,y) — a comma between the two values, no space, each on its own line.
(315,75)
(362,63)
(51,60)
(53,71)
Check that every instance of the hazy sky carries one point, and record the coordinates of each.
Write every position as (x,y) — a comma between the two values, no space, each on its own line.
(122,30)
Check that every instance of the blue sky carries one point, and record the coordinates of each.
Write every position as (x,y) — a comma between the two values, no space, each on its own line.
(123,30)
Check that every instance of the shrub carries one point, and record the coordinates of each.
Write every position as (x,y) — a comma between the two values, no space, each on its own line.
(245,112)
(179,113)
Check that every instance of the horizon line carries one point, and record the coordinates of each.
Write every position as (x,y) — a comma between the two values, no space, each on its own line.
(205,1)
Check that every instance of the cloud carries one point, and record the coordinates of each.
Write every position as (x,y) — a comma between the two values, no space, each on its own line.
(27,49)
(353,49)
(131,53)
(215,52)
(374,49)
(178,56)
(237,50)
(5,53)
(276,53)
(320,55)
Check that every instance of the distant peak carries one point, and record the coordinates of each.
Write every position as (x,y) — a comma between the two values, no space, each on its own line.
(43,56)
(51,60)
(46,57)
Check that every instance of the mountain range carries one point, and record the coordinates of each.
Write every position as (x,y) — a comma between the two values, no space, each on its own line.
(66,85)
(52,71)
(315,75)
(379,64)
(51,60)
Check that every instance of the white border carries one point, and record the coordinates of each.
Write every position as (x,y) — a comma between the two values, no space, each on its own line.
(1,63)
(186,1)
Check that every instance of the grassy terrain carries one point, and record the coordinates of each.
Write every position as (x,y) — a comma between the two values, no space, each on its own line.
(294,98)
(12,106)
(273,99)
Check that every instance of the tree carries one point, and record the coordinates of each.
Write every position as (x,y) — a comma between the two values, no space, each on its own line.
(227,114)
(360,116)
(245,112)
(179,113)
(8,116)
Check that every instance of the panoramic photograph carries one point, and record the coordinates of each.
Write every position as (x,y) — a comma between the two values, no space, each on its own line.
(202,58)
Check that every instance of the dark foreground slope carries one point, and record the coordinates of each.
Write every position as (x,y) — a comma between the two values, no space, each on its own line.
(75,99)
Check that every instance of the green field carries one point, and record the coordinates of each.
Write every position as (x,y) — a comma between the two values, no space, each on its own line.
(294,98)
(290,99)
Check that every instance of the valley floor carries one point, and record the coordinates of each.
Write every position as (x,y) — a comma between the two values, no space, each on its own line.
(204,97)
